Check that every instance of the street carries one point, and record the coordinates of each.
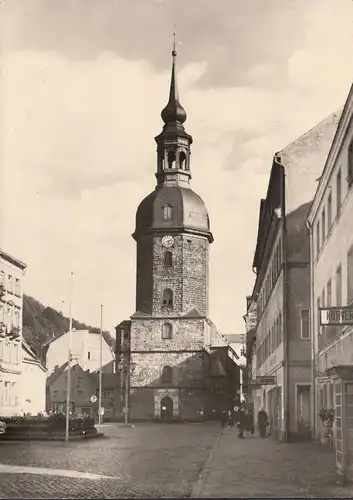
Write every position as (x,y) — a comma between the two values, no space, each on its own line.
(148,460)
(175,460)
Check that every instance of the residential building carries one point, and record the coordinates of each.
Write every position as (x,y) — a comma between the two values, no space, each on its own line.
(11,300)
(33,382)
(282,286)
(169,356)
(83,385)
(330,221)
(85,349)
(250,319)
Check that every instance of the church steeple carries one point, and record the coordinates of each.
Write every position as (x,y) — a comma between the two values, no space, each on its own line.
(174,111)
(173,144)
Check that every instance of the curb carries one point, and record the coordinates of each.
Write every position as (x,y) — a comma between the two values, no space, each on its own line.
(199,484)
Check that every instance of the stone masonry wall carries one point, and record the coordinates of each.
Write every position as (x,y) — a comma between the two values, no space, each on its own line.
(187,277)
(144,274)
(187,334)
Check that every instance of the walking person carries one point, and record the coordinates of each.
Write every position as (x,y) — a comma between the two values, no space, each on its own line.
(262,422)
(241,423)
(249,423)
(230,418)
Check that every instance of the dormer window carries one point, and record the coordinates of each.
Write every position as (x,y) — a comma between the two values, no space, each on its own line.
(167,331)
(167,212)
(167,299)
(168,259)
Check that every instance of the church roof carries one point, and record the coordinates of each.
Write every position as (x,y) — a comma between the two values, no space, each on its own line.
(189,211)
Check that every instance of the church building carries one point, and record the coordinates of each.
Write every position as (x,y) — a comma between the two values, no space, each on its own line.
(174,372)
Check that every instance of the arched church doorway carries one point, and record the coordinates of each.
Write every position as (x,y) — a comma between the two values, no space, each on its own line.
(166,408)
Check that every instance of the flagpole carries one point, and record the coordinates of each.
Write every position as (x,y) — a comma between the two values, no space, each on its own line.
(68,395)
(100,373)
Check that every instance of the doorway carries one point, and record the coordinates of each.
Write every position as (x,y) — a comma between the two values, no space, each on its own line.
(303,408)
(166,408)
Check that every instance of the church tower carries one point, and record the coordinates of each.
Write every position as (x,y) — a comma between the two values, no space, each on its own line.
(170,328)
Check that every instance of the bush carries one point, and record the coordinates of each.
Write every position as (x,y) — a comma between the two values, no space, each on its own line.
(52,423)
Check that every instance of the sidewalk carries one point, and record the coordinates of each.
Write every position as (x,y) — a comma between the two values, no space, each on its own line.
(263,467)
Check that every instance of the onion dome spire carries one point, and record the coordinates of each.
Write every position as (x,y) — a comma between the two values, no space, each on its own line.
(174,111)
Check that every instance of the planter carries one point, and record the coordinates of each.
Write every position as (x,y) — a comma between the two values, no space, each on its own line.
(325,432)
(324,439)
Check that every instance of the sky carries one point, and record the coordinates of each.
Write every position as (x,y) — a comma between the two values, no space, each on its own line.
(83,83)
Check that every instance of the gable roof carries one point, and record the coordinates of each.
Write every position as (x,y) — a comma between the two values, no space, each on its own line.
(31,355)
(339,137)
(13,260)
(57,373)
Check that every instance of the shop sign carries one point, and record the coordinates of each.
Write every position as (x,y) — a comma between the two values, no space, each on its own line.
(324,380)
(335,316)
(266,380)
(254,386)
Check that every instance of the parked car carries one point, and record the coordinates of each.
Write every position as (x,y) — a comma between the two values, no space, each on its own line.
(2,427)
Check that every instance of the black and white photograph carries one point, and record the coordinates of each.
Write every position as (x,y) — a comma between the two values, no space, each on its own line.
(176,249)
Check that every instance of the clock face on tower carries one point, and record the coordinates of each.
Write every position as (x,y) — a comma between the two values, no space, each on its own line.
(167,241)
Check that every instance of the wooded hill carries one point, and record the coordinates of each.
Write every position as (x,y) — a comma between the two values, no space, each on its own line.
(43,323)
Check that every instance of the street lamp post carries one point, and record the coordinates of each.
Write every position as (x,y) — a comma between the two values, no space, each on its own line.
(68,388)
(127,368)
(100,373)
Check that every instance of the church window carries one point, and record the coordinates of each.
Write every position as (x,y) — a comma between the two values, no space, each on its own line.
(167,300)
(171,159)
(167,212)
(167,331)
(168,259)
(167,374)
(182,160)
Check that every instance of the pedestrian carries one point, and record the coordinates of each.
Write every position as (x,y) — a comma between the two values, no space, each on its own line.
(241,423)
(249,423)
(262,422)
(223,418)
(230,418)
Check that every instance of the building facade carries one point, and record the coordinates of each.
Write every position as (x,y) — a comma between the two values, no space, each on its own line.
(170,332)
(83,385)
(282,286)
(85,349)
(11,300)
(331,236)
(33,382)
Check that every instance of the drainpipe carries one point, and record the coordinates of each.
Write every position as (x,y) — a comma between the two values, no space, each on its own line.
(312,336)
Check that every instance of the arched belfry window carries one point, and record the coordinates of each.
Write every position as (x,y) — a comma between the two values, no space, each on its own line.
(171,159)
(167,299)
(167,374)
(182,160)
(167,212)
(167,331)
(168,259)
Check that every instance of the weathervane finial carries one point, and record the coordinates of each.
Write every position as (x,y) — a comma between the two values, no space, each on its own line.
(174,52)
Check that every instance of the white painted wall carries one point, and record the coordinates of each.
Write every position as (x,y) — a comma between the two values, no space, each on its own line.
(32,388)
(85,348)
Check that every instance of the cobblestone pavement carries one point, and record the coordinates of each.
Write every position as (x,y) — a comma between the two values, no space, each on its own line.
(258,467)
(148,460)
